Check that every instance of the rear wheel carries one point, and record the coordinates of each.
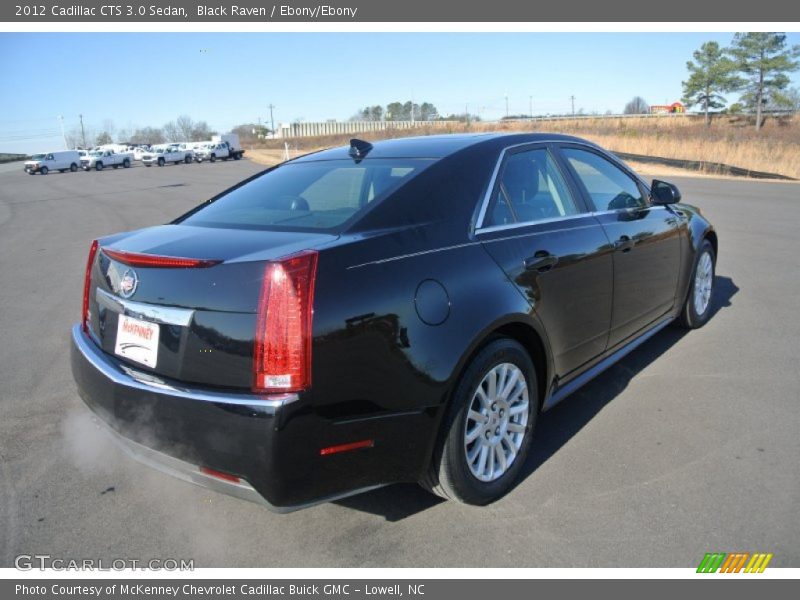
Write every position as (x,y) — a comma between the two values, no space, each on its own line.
(161,162)
(697,308)
(187,160)
(489,426)
(126,163)
(99,166)
(43,170)
(73,167)
(213,158)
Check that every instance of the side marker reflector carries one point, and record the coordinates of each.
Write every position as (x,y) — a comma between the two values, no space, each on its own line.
(347,447)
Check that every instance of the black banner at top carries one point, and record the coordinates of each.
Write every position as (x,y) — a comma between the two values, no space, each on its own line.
(370,11)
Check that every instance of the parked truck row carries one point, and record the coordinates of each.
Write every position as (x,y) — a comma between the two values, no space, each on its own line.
(220,147)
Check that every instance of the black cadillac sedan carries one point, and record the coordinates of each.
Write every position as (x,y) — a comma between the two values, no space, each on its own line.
(381,313)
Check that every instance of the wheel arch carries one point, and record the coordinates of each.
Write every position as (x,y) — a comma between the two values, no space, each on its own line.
(521,328)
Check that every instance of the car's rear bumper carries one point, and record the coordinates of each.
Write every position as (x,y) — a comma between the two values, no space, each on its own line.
(270,443)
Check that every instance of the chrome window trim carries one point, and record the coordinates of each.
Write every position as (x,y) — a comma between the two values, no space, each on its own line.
(479,228)
(166,315)
(493,228)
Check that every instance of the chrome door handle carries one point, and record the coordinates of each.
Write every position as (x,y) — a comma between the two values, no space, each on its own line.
(542,262)
(624,243)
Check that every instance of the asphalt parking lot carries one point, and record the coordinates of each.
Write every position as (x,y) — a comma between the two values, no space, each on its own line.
(689,445)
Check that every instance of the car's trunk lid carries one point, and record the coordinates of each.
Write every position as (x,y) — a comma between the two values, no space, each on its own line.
(193,324)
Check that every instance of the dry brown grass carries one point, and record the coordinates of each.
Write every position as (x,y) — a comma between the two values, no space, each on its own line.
(729,140)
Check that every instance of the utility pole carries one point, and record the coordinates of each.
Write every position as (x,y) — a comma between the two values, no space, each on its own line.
(466,113)
(506,105)
(272,119)
(573,104)
(63,135)
(83,132)
(530,107)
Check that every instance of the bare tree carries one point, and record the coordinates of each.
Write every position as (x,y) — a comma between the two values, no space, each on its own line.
(185,127)
(172,132)
(201,132)
(637,106)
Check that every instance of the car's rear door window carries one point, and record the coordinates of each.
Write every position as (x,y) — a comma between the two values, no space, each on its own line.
(530,188)
(320,195)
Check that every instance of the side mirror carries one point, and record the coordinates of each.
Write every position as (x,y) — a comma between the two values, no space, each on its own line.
(662,192)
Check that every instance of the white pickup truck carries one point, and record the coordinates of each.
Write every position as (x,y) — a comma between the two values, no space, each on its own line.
(163,155)
(100,159)
(223,146)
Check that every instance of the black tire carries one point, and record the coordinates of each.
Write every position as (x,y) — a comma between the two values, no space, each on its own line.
(43,170)
(99,166)
(126,163)
(73,167)
(237,156)
(213,158)
(450,476)
(161,162)
(148,165)
(689,317)
(187,160)
(115,166)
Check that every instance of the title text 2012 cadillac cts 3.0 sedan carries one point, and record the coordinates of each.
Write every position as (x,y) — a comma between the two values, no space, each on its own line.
(380,313)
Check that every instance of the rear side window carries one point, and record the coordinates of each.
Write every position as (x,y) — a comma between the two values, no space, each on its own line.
(609,187)
(530,188)
(308,195)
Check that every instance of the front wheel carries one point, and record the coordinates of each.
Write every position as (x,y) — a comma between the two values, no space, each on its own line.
(99,166)
(43,170)
(697,308)
(73,167)
(126,163)
(213,158)
(161,162)
(187,160)
(489,426)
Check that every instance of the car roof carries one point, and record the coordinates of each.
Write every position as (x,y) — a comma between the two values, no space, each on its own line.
(437,146)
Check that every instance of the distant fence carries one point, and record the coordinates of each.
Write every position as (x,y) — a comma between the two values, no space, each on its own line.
(303,129)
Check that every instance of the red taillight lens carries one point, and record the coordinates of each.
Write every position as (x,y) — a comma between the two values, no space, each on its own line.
(282,357)
(87,281)
(135,259)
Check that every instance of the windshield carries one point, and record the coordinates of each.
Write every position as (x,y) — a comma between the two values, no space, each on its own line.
(37,157)
(95,153)
(307,196)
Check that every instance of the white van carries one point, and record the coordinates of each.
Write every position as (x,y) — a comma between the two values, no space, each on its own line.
(65,160)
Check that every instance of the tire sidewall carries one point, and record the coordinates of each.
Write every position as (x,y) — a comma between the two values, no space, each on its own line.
(453,454)
(690,315)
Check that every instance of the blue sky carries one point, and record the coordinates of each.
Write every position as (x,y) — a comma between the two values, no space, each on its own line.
(140,79)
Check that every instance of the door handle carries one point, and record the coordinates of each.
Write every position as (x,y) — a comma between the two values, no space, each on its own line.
(624,243)
(542,262)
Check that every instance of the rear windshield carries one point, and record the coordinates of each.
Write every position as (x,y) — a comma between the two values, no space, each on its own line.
(307,196)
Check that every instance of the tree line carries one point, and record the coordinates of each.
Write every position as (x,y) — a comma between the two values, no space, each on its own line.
(755,64)
(182,129)
(398,111)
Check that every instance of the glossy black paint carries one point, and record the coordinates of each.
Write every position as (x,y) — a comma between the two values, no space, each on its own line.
(405,295)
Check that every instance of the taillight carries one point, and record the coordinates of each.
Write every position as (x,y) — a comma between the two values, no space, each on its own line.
(154,261)
(282,357)
(87,280)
